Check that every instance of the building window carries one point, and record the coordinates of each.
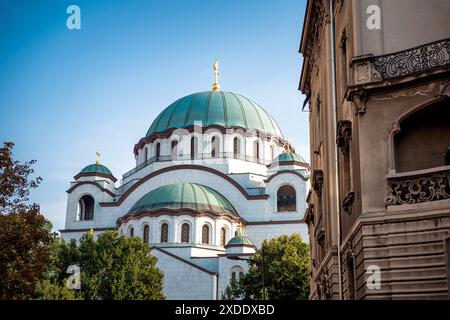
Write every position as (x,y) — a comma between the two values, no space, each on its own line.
(164,233)
(85,210)
(223,236)
(174,149)
(214,147)
(194,148)
(272,152)
(185,233)
(236,147)
(351,279)
(131,232)
(236,274)
(145,154)
(158,150)
(146,233)
(256,150)
(205,234)
(423,139)
(286,199)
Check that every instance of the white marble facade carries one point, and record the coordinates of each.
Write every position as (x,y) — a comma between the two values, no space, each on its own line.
(194,269)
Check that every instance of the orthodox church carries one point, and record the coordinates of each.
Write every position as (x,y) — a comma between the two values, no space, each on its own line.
(214,177)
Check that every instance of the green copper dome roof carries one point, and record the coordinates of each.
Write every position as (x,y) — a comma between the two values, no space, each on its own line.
(96,168)
(222,108)
(289,156)
(184,195)
(240,240)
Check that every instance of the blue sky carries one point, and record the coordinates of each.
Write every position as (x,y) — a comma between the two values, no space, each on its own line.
(65,93)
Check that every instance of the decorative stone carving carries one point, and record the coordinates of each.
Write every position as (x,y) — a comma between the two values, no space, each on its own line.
(418,189)
(364,71)
(407,62)
(360,100)
(347,204)
(310,214)
(317,181)
(320,236)
(344,135)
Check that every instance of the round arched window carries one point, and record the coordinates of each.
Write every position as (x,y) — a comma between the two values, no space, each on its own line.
(286,199)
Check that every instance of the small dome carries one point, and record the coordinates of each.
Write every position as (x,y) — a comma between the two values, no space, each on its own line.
(240,241)
(96,168)
(226,109)
(184,195)
(289,157)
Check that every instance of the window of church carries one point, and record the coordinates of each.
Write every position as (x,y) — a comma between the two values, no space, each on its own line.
(286,199)
(256,150)
(158,150)
(185,232)
(146,233)
(164,233)
(233,276)
(85,210)
(236,147)
(223,236)
(174,149)
(205,234)
(194,148)
(214,147)
(131,232)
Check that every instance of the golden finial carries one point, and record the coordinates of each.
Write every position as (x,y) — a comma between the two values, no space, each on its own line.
(287,147)
(216,86)
(241,229)
(97,161)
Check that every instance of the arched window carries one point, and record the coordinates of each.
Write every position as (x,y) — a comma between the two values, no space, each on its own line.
(185,232)
(233,276)
(236,233)
(236,274)
(146,233)
(214,147)
(174,149)
(145,154)
(205,234)
(158,150)
(241,275)
(236,147)
(164,233)
(131,232)
(272,152)
(223,236)
(194,148)
(286,199)
(256,150)
(85,210)
(424,138)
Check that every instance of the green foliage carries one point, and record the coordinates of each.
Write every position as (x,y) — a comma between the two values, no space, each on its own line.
(112,268)
(286,271)
(25,235)
(48,290)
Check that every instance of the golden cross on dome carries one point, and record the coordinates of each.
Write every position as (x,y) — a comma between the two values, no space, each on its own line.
(241,228)
(97,161)
(216,86)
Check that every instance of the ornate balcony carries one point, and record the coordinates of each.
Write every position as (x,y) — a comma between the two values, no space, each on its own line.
(419,186)
(422,58)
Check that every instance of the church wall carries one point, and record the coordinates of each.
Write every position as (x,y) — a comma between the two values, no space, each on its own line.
(183,281)
(267,231)
(225,267)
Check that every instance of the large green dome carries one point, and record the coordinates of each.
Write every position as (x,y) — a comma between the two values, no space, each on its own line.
(226,109)
(184,195)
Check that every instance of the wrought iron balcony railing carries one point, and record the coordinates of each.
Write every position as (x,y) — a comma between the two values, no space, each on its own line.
(418,187)
(421,58)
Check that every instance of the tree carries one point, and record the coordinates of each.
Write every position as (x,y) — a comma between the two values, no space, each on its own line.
(286,271)
(25,235)
(112,267)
